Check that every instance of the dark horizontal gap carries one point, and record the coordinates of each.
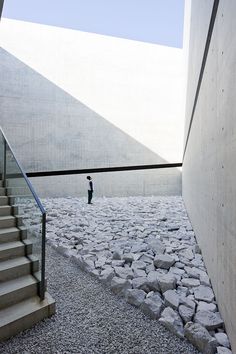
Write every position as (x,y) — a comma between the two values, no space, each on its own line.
(102,169)
(204,59)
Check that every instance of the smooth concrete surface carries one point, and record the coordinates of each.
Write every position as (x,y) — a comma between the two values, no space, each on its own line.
(209,187)
(195,34)
(72,100)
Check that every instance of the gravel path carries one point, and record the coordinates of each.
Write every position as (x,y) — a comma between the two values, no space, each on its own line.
(91,320)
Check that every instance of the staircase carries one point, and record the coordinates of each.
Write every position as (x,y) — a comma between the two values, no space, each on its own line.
(20,303)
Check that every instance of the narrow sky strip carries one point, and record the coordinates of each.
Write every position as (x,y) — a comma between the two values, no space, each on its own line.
(153,21)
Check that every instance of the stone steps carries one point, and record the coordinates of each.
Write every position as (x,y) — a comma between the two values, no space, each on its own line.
(20,305)
(16,290)
(24,314)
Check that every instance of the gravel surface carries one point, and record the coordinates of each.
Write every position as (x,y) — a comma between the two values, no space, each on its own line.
(91,320)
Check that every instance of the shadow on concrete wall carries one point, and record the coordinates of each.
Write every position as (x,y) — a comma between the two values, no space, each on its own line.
(52,130)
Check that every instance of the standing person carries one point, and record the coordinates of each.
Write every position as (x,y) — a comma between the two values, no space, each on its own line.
(90,189)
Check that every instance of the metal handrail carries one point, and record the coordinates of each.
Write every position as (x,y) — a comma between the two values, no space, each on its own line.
(39,204)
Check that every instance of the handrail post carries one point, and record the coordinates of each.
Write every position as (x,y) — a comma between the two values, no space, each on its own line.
(4,162)
(42,282)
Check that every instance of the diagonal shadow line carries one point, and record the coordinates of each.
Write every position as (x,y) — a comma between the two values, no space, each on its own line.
(45,112)
(203,64)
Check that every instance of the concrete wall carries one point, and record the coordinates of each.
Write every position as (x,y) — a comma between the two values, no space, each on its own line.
(70,99)
(209,187)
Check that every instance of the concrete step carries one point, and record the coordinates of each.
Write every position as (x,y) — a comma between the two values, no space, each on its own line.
(17,290)
(17,267)
(11,221)
(5,210)
(2,191)
(24,314)
(11,234)
(7,221)
(9,250)
(3,200)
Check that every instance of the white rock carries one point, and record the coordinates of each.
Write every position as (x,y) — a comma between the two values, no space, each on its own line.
(190,282)
(147,258)
(200,338)
(222,339)
(120,286)
(171,299)
(117,255)
(204,279)
(204,293)
(192,272)
(135,296)
(186,313)
(117,263)
(187,302)
(140,283)
(125,273)
(100,262)
(205,306)
(152,306)
(163,261)
(128,257)
(166,282)
(139,265)
(187,253)
(171,320)
(210,320)
(223,350)
(107,275)
(139,247)
(156,245)
(139,273)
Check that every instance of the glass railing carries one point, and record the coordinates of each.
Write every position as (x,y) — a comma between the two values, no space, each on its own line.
(30,215)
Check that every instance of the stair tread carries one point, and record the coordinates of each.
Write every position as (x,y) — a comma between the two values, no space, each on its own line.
(11,263)
(9,245)
(6,217)
(5,230)
(18,283)
(23,308)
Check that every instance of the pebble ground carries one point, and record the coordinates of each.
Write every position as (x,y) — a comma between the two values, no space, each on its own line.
(91,320)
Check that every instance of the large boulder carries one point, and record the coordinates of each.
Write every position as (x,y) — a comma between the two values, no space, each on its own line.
(166,282)
(153,306)
(125,273)
(200,338)
(223,350)
(120,286)
(203,293)
(186,313)
(152,281)
(163,261)
(141,283)
(210,320)
(171,299)
(135,296)
(156,245)
(172,321)
(107,275)
(222,339)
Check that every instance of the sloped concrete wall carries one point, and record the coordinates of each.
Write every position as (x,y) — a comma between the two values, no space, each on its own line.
(209,187)
(72,100)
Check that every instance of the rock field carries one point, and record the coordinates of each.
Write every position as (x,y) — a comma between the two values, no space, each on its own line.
(145,250)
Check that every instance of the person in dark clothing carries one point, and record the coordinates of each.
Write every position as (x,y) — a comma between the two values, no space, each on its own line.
(90,189)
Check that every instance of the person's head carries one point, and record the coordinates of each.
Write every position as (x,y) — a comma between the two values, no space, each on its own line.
(89,178)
